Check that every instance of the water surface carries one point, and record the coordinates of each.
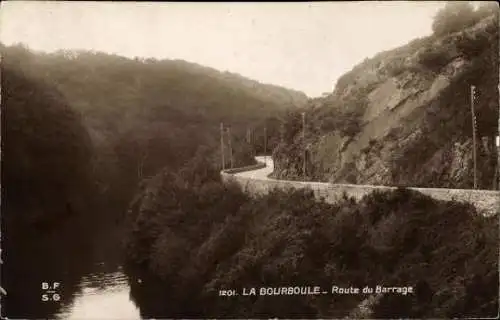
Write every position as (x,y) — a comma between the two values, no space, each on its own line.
(102,294)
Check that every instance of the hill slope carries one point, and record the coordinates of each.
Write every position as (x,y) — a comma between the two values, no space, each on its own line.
(197,236)
(44,143)
(119,89)
(146,114)
(81,131)
(48,203)
(403,117)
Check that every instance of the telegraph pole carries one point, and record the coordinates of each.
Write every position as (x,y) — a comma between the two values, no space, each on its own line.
(472,94)
(248,136)
(251,142)
(230,146)
(304,139)
(222,145)
(497,138)
(265,145)
(282,132)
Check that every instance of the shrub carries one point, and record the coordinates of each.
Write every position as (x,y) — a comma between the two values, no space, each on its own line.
(287,237)
(433,58)
(348,120)
(472,46)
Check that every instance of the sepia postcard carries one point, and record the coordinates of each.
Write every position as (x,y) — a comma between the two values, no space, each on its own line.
(249,160)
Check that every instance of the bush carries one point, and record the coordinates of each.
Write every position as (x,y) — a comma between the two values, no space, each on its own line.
(292,126)
(286,237)
(472,46)
(433,58)
(347,120)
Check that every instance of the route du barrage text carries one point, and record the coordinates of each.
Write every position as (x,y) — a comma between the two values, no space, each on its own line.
(314,290)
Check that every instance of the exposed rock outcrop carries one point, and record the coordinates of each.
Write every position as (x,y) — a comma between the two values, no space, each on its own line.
(409,115)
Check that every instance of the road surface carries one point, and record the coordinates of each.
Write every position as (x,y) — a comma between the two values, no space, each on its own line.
(486,201)
(259,173)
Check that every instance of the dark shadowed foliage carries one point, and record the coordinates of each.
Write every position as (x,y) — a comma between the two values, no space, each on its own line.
(47,192)
(147,114)
(200,238)
(46,152)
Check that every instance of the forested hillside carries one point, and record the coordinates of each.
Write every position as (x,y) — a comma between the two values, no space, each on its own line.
(403,117)
(93,140)
(46,152)
(146,114)
(48,198)
(197,236)
(82,131)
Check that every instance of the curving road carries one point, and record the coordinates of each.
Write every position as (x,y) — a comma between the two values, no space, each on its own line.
(487,201)
(261,174)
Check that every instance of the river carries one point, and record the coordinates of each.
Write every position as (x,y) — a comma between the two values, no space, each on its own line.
(103,294)
(89,270)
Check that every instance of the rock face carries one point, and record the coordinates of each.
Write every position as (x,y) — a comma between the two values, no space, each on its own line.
(409,115)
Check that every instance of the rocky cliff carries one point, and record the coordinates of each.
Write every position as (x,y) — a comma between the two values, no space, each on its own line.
(403,117)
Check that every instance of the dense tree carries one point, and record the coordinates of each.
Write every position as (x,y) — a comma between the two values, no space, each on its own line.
(146,114)
(210,237)
(46,150)
(48,202)
(86,128)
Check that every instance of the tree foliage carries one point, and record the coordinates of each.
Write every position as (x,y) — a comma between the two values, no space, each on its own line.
(455,16)
(146,114)
(203,240)
(46,151)
(458,15)
(434,58)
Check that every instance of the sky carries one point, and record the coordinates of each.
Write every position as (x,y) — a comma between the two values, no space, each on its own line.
(305,46)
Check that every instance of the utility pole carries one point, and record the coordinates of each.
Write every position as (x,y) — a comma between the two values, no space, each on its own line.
(497,138)
(282,132)
(265,145)
(249,142)
(304,140)
(472,95)
(230,146)
(222,145)
(250,139)
(248,136)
